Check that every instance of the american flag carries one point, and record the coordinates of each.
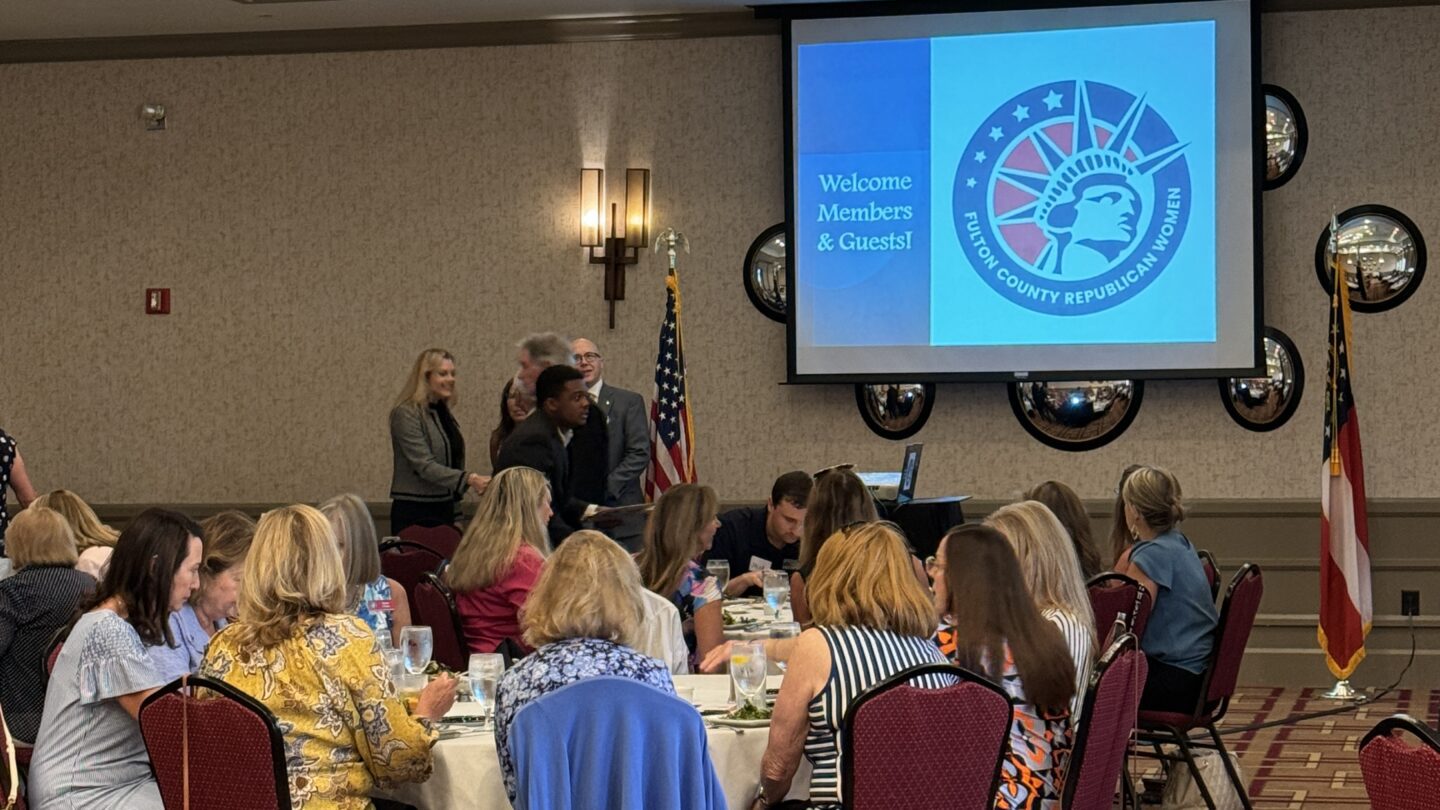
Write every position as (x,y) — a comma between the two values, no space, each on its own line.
(1345,605)
(672,435)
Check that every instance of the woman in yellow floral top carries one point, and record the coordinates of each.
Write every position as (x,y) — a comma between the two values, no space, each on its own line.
(320,671)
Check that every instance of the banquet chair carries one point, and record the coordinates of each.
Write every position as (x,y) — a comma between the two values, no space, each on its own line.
(407,563)
(232,741)
(435,607)
(1113,595)
(442,540)
(1212,571)
(925,749)
(9,771)
(1232,633)
(1399,776)
(615,743)
(1106,721)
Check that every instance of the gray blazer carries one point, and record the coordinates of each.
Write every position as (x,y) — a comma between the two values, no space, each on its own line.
(629,433)
(421,451)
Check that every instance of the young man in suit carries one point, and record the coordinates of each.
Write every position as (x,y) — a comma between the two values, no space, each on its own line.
(561,405)
(615,482)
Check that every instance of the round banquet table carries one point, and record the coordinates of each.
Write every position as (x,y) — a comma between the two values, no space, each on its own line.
(467,768)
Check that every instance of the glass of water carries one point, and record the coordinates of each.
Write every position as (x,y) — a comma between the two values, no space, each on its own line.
(783,630)
(417,643)
(776,585)
(747,672)
(720,570)
(485,671)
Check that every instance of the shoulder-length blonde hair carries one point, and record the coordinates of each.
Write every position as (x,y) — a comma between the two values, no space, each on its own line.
(86,525)
(417,385)
(589,588)
(226,544)
(672,535)
(508,515)
(863,578)
(40,536)
(1047,558)
(838,499)
(359,547)
(292,575)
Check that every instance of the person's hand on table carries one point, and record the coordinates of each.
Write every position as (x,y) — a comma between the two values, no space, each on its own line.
(743,583)
(717,659)
(436,698)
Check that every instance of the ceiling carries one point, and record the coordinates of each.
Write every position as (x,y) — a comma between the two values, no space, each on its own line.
(91,19)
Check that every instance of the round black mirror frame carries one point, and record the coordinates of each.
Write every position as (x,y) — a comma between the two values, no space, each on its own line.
(905,432)
(1293,405)
(1302,137)
(1373,209)
(749,280)
(1081,446)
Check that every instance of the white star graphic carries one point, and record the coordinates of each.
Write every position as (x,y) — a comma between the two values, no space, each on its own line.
(969,182)
(1021,112)
(996,133)
(979,157)
(1052,101)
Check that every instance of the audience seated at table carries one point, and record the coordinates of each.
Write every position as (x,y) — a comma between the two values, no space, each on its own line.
(680,529)
(227,537)
(1052,574)
(320,670)
(752,538)
(94,540)
(35,602)
(499,558)
(89,754)
(1068,507)
(872,619)
(993,627)
(1120,536)
(1181,631)
(583,619)
(838,499)
(377,599)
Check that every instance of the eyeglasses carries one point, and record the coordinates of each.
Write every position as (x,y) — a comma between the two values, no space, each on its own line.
(589,357)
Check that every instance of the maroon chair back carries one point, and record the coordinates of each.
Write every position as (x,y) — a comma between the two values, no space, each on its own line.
(1232,633)
(435,607)
(1399,776)
(407,563)
(1106,722)
(442,540)
(1112,594)
(1212,571)
(235,755)
(896,754)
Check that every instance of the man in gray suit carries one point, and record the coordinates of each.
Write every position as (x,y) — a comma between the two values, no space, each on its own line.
(627,433)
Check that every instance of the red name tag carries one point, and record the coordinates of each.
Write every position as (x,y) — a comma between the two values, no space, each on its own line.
(382,604)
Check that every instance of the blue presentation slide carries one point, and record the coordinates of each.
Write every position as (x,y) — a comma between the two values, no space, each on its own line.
(1009,189)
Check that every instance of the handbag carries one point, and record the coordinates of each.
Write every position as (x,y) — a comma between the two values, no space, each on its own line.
(1181,793)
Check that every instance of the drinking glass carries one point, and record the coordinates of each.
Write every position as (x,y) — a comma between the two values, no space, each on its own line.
(720,570)
(747,672)
(783,630)
(485,671)
(417,642)
(776,585)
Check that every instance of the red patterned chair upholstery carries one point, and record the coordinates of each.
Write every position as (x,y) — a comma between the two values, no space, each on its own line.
(442,540)
(1113,595)
(435,607)
(1399,776)
(407,563)
(1106,723)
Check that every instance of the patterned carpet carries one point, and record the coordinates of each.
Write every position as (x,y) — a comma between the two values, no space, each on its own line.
(1311,764)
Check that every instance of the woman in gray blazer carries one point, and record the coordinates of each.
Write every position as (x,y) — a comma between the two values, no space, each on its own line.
(430,476)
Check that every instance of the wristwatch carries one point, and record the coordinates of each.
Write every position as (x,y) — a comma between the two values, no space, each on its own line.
(760,796)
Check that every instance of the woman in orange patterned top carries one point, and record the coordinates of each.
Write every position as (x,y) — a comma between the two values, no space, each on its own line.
(992,626)
(320,670)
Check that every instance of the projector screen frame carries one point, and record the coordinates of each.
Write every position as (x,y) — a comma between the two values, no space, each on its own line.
(787,13)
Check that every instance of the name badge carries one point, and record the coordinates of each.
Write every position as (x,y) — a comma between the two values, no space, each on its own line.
(759,564)
(377,605)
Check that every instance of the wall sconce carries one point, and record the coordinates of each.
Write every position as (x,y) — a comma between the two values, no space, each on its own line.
(629,232)
(153,115)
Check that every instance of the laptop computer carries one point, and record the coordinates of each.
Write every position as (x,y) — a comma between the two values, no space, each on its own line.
(897,487)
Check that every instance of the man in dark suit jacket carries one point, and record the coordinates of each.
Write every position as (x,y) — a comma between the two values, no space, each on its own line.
(561,406)
(627,452)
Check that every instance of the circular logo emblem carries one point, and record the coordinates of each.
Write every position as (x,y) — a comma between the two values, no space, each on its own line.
(1072,197)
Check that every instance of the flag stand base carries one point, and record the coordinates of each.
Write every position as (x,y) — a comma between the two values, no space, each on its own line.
(1343,691)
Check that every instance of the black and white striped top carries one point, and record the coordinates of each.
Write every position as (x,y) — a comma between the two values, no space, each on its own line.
(1077,641)
(859,658)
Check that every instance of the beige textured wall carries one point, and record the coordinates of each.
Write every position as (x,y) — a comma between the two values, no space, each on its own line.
(321,218)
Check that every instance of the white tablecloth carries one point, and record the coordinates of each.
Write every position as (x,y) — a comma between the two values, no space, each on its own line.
(467,768)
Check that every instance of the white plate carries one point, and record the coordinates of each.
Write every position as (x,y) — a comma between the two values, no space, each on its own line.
(722,720)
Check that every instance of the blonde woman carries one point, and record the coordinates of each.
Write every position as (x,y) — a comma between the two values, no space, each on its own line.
(94,540)
(36,601)
(872,619)
(1181,630)
(320,670)
(225,543)
(681,528)
(583,619)
(1052,575)
(499,558)
(429,476)
(378,600)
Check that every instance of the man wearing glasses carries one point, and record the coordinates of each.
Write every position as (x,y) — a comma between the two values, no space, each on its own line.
(614,477)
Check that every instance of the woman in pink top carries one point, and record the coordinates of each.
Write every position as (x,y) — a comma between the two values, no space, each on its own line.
(499,558)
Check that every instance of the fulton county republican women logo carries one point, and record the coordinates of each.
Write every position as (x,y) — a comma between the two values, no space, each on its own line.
(1072,197)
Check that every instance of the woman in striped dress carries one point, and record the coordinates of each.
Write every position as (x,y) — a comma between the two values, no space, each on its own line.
(872,619)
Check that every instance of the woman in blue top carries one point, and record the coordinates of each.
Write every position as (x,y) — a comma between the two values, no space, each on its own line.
(227,540)
(1181,630)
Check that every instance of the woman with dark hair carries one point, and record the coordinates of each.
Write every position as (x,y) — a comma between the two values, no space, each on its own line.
(838,499)
(225,544)
(1068,507)
(89,753)
(515,405)
(994,628)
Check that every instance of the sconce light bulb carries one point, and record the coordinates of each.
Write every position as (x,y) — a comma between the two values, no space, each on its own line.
(590,219)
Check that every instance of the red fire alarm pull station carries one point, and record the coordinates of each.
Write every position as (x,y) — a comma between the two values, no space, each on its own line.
(157,301)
